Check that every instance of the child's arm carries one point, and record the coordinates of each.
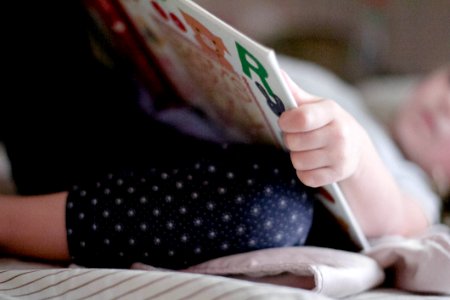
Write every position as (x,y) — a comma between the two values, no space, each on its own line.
(328,145)
(34,226)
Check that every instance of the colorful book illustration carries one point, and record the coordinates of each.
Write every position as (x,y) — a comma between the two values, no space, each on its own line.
(234,80)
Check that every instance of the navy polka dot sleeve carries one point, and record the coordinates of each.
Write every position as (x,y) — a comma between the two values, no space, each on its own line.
(177,216)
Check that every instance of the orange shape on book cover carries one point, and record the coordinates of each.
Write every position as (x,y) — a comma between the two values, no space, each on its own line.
(208,41)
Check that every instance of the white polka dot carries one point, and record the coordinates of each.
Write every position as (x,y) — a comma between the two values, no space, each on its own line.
(182,210)
(240,230)
(197,166)
(70,204)
(156,212)
(107,191)
(252,242)
(282,203)
(278,236)
(212,234)
(69,231)
(82,193)
(131,241)
(230,175)
(94,201)
(143,200)
(268,191)
(164,175)
(197,250)
(184,238)
(250,181)
(168,198)
(179,185)
(119,182)
(155,188)
(194,195)
(255,210)
(189,177)
(81,216)
(198,222)
(156,241)
(94,227)
(119,201)
(255,166)
(210,205)
(226,217)
(224,246)
(130,190)
(143,226)
(170,225)
(239,199)
(131,213)
(211,169)
(276,171)
(221,190)
(106,241)
(118,227)
(171,253)
(105,213)
(83,244)
(268,224)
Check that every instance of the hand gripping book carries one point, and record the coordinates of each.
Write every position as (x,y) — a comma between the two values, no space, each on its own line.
(234,80)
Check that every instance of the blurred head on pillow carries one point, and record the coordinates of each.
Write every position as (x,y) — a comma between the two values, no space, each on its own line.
(422,126)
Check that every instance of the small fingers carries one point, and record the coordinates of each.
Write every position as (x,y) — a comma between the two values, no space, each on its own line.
(316,178)
(309,140)
(308,116)
(325,165)
(310,160)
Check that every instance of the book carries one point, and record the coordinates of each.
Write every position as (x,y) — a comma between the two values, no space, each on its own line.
(233,79)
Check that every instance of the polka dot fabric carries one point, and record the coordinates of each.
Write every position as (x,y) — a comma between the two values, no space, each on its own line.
(177,217)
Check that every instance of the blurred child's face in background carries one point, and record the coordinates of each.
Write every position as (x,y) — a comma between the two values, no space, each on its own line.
(422,126)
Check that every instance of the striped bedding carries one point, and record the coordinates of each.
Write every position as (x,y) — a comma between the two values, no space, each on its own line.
(79,283)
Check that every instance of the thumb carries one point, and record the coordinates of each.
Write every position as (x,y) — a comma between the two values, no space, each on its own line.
(300,95)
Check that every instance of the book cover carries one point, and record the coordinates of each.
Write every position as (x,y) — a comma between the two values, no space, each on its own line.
(233,79)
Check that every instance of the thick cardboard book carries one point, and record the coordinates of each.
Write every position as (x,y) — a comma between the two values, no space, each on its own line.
(234,80)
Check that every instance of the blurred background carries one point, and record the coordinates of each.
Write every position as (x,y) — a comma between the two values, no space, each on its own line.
(353,38)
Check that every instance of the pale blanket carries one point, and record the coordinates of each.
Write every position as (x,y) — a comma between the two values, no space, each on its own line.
(421,264)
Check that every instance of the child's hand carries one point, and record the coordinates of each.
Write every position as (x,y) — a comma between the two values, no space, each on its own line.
(326,143)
